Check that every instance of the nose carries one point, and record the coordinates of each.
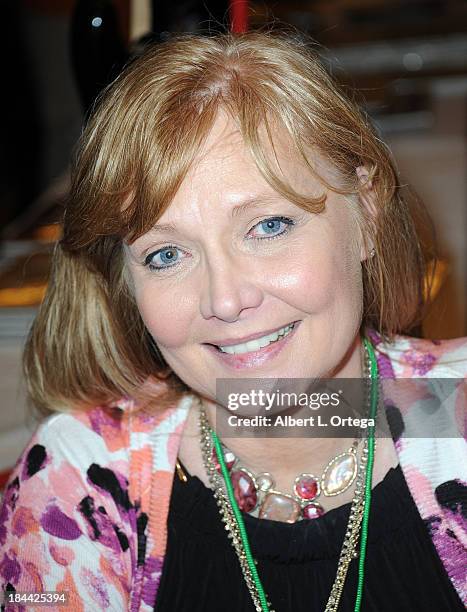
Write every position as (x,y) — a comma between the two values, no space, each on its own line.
(228,288)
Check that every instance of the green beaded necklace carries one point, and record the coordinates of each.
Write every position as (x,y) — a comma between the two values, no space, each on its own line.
(368,479)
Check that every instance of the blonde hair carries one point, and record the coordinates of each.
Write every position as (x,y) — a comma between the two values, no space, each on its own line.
(88,344)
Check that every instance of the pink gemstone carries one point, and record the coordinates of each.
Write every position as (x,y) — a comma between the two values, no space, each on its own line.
(244,490)
(306,487)
(312,511)
(229,459)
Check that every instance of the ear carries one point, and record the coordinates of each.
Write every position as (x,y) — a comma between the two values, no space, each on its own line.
(368,200)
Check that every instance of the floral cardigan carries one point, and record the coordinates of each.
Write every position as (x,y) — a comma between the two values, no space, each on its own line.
(85,509)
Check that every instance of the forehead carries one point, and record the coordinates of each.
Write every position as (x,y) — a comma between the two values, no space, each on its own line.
(225,168)
(223,180)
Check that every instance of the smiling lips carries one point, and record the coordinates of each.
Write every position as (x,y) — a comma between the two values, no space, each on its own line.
(244,339)
(258,343)
(254,352)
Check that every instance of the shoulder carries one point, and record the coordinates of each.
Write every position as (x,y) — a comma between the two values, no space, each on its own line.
(66,519)
(70,457)
(419,357)
(79,437)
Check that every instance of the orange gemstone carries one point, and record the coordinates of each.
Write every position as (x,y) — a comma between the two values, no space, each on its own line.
(278,507)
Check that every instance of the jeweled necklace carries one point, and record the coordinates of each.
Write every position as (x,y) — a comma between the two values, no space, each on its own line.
(257,494)
(358,517)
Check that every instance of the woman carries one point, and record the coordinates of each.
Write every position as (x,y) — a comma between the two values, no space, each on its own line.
(232,216)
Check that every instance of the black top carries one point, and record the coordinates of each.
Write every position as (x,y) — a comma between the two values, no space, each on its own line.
(297,562)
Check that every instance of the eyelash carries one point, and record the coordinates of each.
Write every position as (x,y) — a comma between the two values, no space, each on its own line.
(289,222)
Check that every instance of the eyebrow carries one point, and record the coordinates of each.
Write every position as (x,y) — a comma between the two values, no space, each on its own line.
(236,211)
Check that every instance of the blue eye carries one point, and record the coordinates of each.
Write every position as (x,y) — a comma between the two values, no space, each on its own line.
(168,257)
(271,227)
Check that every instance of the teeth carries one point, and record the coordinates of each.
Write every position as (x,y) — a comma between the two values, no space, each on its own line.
(255,345)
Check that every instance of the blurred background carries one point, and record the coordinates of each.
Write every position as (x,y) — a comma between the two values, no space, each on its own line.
(405,61)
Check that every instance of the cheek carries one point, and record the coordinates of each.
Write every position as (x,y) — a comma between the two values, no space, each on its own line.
(321,279)
(310,280)
(167,314)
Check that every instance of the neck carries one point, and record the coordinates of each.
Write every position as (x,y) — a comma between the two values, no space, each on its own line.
(279,456)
